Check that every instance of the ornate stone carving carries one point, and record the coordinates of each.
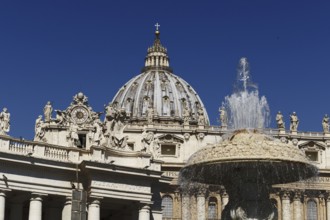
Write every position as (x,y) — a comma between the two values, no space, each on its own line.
(114,128)
(186,136)
(79,112)
(61,117)
(295,141)
(294,122)
(48,110)
(284,140)
(4,121)
(325,124)
(200,136)
(280,121)
(80,99)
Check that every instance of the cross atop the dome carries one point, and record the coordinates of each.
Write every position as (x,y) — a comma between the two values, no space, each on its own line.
(157,26)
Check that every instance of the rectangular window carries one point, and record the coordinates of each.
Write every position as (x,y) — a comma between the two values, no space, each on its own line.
(312,155)
(82,141)
(168,149)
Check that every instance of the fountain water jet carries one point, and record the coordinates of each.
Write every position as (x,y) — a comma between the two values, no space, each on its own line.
(248,162)
(244,107)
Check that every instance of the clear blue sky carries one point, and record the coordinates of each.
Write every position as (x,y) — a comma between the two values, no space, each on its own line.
(50,50)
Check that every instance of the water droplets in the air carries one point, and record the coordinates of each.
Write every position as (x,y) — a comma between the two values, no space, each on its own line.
(244,107)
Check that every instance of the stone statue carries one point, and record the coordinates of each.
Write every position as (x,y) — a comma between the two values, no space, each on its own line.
(186,116)
(150,114)
(325,123)
(294,122)
(73,137)
(4,121)
(60,117)
(48,110)
(280,121)
(39,129)
(201,117)
(223,116)
(147,140)
(114,128)
(97,137)
(110,111)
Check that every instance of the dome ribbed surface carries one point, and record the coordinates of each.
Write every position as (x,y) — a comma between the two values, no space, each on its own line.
(167,93)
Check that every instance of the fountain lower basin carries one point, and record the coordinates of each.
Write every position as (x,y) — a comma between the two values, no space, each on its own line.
(247,165)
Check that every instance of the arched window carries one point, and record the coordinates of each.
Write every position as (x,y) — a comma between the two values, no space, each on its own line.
(167,205)
(212,212)
(311,210)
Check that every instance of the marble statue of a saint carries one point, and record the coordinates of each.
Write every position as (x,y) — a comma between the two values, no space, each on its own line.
(223,116)
(325,124)
(150,114)
(147,139)
(39,129)
(280,121)
(73,135)
(186,116)
(4,121)
(294,122)
(110,111)
(201,117)
(97,132)
(48,110)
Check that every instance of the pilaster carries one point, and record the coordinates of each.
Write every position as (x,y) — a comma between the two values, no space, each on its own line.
(185,207)
(297,209)
(201,205)
(286,209)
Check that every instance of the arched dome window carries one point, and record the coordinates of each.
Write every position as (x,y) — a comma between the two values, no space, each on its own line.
(212,212)
(167,206)
(311,210)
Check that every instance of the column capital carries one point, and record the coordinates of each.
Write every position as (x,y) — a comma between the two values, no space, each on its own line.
(286,194)
(38,196)
(145,205)
(297,195)
(95,200)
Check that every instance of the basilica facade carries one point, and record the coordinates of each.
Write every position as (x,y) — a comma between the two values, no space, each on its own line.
(124,163)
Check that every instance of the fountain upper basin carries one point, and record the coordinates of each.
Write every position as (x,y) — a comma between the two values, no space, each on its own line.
(248,155)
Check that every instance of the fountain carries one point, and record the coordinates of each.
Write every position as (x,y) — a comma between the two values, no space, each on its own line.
(248,162)
(244,107)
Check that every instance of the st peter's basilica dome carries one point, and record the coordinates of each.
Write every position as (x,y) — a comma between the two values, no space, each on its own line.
(170,98)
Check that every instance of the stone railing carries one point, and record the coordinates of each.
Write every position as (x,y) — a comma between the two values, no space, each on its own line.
(40,150)
(20,147)
(46,151)
(215,128)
